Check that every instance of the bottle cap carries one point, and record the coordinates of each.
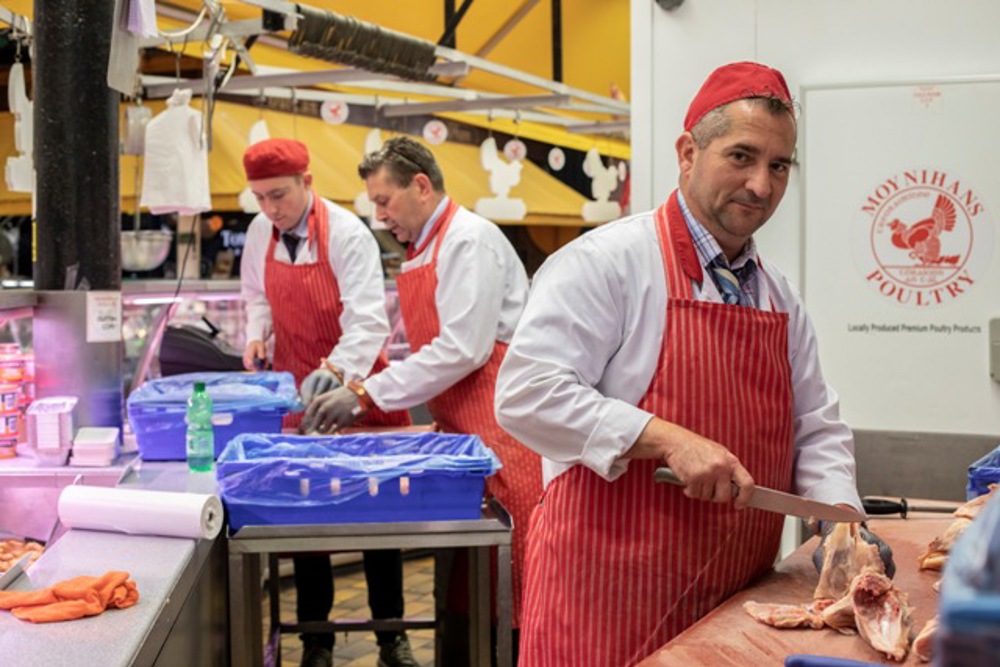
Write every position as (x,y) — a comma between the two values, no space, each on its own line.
(199,386)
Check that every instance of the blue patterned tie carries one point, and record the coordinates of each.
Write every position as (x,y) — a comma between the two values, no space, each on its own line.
(728,283)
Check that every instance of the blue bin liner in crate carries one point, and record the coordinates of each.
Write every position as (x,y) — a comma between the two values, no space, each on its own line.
(241,403)
(362,478)
(982,473)
(969,634)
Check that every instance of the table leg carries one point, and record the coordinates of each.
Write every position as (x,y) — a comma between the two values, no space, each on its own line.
(504,604)
(245,639)
(274,596)
(479,606)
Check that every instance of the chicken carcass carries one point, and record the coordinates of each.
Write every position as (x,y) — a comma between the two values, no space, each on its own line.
(923,645)
(785,615)
(845,555)
(937,551)
(882,614)
(971,509)
(840,616)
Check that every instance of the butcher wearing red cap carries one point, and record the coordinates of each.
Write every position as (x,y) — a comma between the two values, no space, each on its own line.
(665,339)
(311,278)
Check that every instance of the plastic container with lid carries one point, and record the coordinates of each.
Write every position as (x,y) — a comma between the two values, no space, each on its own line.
(51,425)
(95,446)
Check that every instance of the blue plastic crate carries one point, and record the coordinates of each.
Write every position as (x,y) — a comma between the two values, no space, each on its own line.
(803,660)
(241,402)
(969,634)
(362,478)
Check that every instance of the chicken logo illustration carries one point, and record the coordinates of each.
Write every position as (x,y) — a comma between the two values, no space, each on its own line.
(923,238)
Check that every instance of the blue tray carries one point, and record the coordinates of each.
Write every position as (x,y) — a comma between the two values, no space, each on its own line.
(269,479)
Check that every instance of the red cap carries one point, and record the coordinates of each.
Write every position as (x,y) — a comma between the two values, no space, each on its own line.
(736,81)
(275,157)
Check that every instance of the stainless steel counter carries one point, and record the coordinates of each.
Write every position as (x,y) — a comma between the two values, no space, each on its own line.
(180,618)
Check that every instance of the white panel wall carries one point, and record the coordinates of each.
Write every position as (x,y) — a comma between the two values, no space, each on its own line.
(814,42)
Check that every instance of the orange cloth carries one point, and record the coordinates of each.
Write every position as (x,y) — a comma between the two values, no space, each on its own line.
(72,599)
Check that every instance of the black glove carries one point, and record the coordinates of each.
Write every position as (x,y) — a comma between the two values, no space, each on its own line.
(332,411)
(884,551)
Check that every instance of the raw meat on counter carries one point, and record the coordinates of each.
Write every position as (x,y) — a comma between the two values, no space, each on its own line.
(882,614)
(970,510)
(937,551)
(12,550)
(785,615)
(845,555)
(923,645)
(854,596)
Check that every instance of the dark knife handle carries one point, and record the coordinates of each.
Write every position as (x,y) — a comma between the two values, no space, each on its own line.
(881,506)
(667,476)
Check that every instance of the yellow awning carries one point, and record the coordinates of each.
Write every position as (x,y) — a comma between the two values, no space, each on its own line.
(335,153)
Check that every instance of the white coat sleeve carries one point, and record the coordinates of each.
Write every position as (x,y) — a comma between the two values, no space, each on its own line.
(824,444)
(355,258)
(258,310)
(546,392)
(468,297)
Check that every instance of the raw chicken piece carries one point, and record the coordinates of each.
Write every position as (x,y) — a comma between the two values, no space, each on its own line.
(845,555)
(882,614)
(971,509)
(840,616)
(785,615)
(937,551)
(923,645)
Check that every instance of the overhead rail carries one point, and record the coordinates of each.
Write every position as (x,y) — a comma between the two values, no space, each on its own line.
(382,58)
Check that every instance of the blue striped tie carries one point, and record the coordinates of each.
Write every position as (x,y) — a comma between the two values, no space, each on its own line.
(728,283)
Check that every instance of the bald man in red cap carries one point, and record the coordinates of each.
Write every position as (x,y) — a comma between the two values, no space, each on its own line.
(663,339)
(312,274)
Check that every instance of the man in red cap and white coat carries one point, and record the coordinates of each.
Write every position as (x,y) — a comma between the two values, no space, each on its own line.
(664,339)
(312,274)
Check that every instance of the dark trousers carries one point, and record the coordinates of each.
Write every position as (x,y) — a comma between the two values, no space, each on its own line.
(314,591)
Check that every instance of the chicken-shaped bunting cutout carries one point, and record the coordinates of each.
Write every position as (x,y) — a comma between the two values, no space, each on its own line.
(604,180)
(503,176)
(258,133)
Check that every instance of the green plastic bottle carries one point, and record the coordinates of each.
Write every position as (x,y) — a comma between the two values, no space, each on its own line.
(200,436)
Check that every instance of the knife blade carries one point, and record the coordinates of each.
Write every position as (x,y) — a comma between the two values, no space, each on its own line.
(778,501)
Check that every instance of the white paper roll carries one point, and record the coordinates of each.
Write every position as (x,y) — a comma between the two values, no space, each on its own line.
(139,512)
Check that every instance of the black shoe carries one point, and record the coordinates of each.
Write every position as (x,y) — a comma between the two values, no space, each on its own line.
(396,653)
(316,656)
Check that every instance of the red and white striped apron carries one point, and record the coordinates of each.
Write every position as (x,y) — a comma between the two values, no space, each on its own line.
(305,312)
(617,569)
(467,406)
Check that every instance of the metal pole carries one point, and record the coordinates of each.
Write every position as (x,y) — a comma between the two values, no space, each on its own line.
(76,148)
(557,63)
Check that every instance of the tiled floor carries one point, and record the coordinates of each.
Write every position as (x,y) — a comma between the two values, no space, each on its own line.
(358,649)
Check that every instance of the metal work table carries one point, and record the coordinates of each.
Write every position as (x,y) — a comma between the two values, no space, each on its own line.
(250,543)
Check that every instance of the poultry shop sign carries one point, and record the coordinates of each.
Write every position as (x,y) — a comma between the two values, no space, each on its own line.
(924,238)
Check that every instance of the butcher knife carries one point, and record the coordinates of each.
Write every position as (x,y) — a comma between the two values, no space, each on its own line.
(783,503)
